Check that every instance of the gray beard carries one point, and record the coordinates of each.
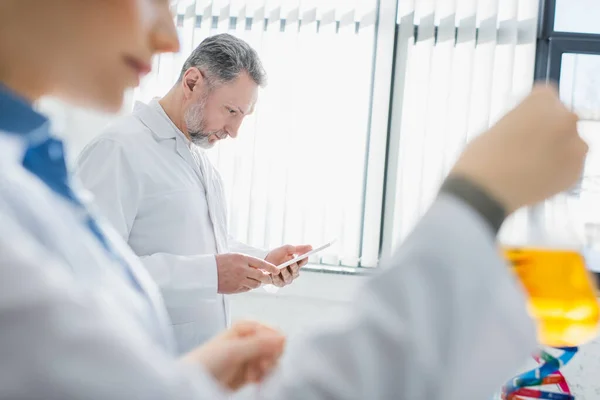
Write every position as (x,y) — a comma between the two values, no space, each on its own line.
(194,121)
(201,140)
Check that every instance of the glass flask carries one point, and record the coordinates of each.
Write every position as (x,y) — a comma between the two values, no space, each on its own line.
(546,249)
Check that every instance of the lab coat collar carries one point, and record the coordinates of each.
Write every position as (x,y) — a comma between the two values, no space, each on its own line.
(164,129)
(168,129)
(160,127)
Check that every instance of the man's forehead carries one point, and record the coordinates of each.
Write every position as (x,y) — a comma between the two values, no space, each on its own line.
(252,107)
(239,97)
(247,108)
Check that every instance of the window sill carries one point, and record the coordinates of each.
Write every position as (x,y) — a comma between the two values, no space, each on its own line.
(319,282)
(332,269)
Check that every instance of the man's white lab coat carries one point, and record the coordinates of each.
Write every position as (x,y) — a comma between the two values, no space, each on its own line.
(166,199)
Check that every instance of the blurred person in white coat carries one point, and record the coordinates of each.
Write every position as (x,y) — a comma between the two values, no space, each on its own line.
(79,318)
(65,273)
(152,179)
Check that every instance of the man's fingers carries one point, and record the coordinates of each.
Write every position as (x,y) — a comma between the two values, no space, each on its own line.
(258,275)
(278,280)
(262,264)
(289,249)
(295,270)
(286,275)
(251,283)
(302,263)
(302,249)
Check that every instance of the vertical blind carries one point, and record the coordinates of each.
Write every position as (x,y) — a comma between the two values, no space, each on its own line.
(296,172)
(462,64)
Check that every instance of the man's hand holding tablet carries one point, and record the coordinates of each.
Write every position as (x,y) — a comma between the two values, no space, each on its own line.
(304,256)
(289,259)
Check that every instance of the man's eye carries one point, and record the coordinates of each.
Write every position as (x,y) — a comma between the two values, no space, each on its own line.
(232,111)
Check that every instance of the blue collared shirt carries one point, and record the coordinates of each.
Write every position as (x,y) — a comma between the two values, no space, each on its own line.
(18,115)
(44,157)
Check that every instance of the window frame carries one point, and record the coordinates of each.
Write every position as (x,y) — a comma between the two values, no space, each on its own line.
(377,154)
(376,161)
(552,44)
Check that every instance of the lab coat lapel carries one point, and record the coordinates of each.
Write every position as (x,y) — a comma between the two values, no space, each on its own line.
(164,130)
(215,198)
(198,161)
(217,205)
(185,153)
(205,171)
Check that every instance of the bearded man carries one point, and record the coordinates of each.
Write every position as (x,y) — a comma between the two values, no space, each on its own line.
(151,178)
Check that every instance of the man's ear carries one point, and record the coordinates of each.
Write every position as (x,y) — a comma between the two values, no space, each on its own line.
(193,79)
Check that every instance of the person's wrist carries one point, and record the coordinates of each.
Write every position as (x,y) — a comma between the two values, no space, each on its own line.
(493,183)
(477,197)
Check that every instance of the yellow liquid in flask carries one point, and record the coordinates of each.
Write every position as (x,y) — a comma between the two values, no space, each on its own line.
(562,295)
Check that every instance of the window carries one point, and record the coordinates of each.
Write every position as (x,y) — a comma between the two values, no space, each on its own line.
(459,66)
(580,89)
(569,54)
(580,16)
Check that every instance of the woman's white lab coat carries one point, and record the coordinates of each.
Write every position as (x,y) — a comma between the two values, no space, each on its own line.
(166,200)
(45,220)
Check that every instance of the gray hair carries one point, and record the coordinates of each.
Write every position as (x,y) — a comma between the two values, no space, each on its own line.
(223,58)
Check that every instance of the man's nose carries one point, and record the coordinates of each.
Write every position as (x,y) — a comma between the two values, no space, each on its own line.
(232,131)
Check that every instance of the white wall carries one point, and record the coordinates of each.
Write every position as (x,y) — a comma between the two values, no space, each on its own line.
(76,125)
(316,298)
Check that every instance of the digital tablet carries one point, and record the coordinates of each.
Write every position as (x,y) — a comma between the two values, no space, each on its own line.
(305,255)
